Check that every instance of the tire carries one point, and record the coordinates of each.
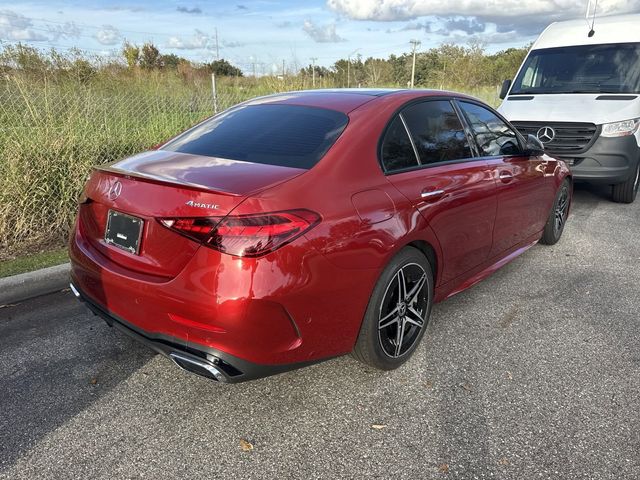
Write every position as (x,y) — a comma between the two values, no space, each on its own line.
(378,347)
(626,192)
(558,216)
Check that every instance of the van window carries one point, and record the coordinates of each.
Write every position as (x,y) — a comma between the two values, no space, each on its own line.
(284,135)
(609,68)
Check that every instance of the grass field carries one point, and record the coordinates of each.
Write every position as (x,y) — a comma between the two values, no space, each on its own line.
(34,261)
(52,133)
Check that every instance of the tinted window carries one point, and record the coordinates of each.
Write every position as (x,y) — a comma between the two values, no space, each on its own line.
(493,136)
(397,152)
(437,132)
(285,135)
(612,68)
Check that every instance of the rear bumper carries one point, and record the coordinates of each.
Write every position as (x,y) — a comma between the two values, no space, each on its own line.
(265,315)
(201,360)
(608,160)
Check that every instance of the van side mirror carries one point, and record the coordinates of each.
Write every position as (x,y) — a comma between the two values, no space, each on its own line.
(506,85)
(534,147)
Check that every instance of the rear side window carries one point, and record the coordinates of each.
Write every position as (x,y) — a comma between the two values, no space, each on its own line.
(397,152)
(283,135)
(437,132)
(493,136)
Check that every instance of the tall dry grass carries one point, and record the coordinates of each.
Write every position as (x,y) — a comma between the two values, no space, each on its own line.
(51,135)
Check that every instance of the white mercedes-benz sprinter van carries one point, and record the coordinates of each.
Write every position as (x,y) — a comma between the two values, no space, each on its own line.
(578,91)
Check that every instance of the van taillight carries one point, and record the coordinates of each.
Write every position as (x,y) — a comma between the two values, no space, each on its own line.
(245,235)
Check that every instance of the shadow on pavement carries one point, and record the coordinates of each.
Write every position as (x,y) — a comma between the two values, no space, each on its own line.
(56,360)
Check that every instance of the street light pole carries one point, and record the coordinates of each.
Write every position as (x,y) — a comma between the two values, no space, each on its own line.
(414,44)
(313,71)
(349,67)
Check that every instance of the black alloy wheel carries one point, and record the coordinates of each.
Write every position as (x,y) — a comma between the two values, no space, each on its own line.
(402,311)
(398,311)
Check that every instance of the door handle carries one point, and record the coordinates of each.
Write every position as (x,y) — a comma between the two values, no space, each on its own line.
(505,176)
(432,195)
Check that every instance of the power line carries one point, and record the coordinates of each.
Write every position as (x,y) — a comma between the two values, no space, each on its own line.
(160,34)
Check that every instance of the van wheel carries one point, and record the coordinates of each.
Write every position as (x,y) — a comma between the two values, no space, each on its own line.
(626,192)
(398,312)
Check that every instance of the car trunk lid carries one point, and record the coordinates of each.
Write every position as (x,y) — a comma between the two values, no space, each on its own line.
(162,184)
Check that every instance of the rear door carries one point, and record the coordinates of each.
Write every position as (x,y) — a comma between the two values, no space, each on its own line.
(523,191)
(427,156)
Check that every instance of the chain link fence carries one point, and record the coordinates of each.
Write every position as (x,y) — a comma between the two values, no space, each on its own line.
(50,137)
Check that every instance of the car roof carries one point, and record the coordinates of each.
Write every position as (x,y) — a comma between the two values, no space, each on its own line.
(344,100)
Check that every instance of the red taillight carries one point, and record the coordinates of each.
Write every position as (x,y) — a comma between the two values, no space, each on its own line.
(245,235)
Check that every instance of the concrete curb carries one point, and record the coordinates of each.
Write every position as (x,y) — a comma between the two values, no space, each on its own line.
(17,288)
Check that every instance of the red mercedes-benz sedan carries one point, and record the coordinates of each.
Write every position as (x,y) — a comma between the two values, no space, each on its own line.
(301,226)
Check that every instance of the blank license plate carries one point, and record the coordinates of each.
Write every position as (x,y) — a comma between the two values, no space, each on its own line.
(124,231)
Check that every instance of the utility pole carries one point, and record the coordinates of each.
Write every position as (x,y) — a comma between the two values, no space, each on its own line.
(349,66)
(215,93)
(217,47)
(414,44)
(253,64)
(313,71)
(283,71)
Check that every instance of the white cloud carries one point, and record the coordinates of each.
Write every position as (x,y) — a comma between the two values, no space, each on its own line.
(67,30)
(17,27)
(108,35)
(391,10)
(322,33)
(199,40)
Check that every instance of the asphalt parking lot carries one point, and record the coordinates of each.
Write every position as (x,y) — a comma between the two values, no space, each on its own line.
(534,373)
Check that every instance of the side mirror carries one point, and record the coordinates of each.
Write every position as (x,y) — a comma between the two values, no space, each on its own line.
(506,85)
(534,147)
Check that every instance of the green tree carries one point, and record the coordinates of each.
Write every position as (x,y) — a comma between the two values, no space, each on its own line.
(131,54)
(400,69)
(149,56)
(172,61)
(223,68)
(25,58)
(340,69)
(505,63)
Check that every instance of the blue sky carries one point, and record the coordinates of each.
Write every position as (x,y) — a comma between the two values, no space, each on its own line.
(266,32)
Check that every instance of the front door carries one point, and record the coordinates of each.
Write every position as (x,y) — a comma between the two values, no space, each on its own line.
(522,188)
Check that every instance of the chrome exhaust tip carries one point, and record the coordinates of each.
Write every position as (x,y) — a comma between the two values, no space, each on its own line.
(74,290)
(198,367)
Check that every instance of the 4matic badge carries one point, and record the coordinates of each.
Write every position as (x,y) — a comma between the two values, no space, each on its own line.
(210,206)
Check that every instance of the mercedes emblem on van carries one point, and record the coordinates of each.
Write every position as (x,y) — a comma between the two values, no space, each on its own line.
(546,134)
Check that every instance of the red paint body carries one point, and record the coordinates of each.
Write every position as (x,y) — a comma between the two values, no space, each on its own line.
(306,300)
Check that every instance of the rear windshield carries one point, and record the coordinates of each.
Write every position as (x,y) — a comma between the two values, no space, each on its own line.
(608,68)
(284,135)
